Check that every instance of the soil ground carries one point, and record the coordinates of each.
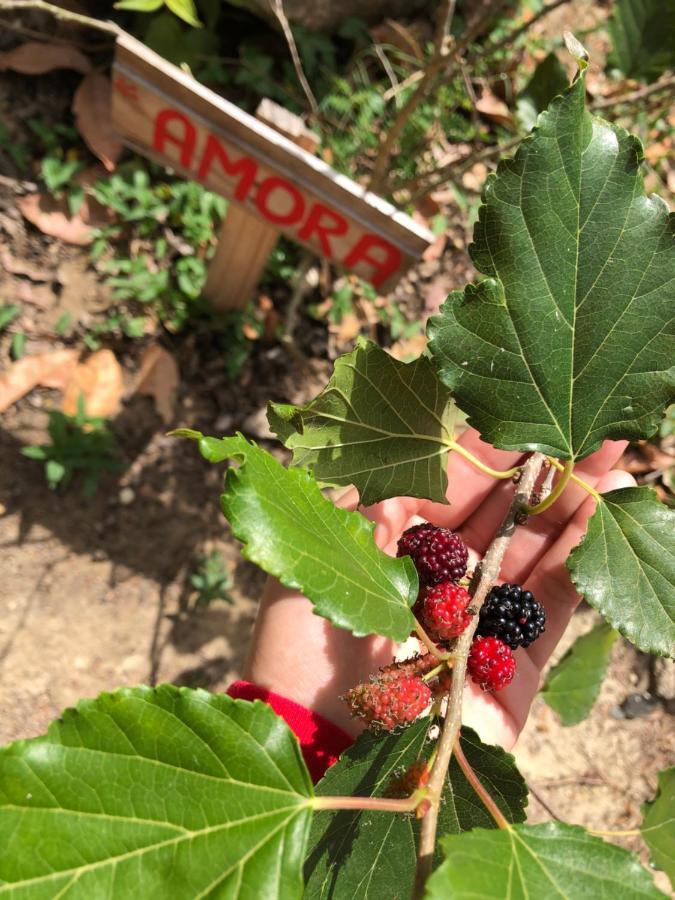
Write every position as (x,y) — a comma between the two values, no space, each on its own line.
(95,594)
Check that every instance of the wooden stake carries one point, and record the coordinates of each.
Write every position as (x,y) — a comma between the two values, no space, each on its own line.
(245,243)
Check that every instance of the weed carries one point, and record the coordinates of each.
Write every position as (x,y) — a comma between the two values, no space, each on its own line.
(211,580)
(78,443)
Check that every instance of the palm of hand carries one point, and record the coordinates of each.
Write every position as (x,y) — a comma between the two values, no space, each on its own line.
(301,656)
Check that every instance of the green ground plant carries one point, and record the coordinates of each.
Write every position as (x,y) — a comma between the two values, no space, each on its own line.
(211,579)
(564,341)
(79,445)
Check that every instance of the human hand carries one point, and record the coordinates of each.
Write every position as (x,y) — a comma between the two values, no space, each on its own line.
(303,657)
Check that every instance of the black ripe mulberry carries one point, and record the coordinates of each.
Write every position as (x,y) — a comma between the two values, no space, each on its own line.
(512,615)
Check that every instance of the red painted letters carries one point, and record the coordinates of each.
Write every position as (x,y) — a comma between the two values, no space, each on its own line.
(265,191)
(244,168)
(389,260)
(276,199)
(317,226)
(186,141)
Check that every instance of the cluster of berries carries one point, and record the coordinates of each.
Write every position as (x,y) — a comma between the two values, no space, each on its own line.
(509,618)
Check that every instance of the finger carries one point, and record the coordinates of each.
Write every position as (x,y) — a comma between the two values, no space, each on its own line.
(485,714)
(468,486)
(550,581)
(529,544)
(517,698)
(390,516)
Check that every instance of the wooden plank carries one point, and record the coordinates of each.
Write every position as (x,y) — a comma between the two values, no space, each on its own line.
(167,115)
(244,246)
(245,242)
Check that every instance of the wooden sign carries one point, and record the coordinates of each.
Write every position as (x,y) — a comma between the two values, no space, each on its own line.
(166,115)
(245,241)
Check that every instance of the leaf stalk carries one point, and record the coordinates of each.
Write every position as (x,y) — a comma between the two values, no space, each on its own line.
(500,820)
(488,470)
(575,478)
(558,488)
(379,804)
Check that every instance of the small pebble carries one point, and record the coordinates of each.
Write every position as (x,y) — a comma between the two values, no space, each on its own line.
(126,496)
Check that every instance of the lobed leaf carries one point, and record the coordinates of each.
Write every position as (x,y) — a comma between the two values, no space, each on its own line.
(658,824)
(573,685)
(155,793)
(379,424)
(568,340)
(291,531)
(372,854)
(625,567)
(543,861)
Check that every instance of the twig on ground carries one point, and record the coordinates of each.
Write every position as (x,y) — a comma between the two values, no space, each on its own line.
(513,35)
(665,84)
(387,66)
(278,9)
(299,291)
(64,14)
(484,577)
(540,800)
(381,165)
(423,184)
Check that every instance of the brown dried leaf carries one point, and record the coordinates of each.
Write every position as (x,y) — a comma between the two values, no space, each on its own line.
(22,267)
(100,380)
(436,293)
(494,109)
(36,58)
(92,108)
(408,349)
(347,329)
(51,216)
(159,377)
(51,370)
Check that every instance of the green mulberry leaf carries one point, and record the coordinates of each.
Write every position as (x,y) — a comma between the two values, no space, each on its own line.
(543,861)
(658,824)
(291,531)
(625,567)
(643,37)
(372,854)
(573,685)
(155,793)
(379,424)
(568,340)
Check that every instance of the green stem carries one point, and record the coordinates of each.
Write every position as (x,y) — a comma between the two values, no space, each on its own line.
(494,473)
(434,672)
(487,801)
(559,487)
(635,832)
(429,644)
(575,478)
(381,804)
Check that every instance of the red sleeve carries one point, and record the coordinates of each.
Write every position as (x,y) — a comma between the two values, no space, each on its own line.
(321,742)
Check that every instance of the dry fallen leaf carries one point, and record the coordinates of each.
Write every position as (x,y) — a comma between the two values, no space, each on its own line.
(408,349)
(51,370)
(495,109)
(51,216)
(22,267)
(93,116)
(99,379)
(36,58)
(158,376)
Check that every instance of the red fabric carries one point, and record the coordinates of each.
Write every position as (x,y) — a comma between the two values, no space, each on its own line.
(321,742)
